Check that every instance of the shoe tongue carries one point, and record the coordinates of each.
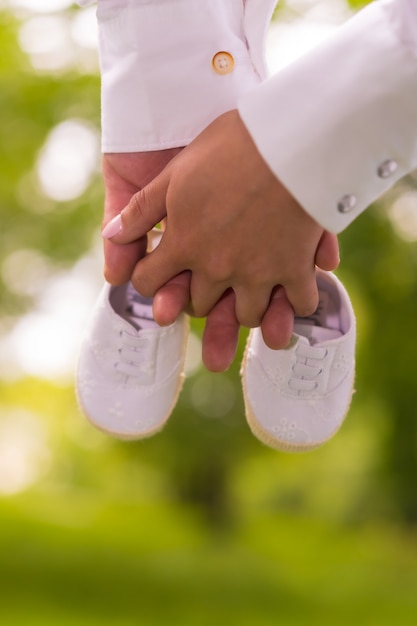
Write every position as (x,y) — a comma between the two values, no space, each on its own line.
(316,334)
(138,309)
(315,327)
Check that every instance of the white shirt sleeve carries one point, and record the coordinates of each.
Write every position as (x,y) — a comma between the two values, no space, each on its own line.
(338,127)
(160,85)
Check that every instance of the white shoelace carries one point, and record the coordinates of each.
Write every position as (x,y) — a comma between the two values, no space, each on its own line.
(138,309)
(307,367)
(135,355)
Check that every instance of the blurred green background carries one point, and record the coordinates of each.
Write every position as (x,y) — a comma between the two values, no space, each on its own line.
(201,524)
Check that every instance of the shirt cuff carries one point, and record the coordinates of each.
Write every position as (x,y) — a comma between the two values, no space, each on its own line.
(162,82)
(339,126)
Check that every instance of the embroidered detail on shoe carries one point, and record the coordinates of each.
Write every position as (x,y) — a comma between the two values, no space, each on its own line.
(342,361)
(117,411)
(276,376)
(87,383)
(288,431)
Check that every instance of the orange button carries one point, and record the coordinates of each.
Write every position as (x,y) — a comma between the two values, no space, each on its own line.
(223,62)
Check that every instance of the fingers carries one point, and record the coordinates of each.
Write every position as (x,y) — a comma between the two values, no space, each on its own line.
(145,209)
(251,305)
(120,261)
(124,174)
(172,299)
(158,268)
(205,294)
(327,255)
(303,294)
(278,321)
(221,333)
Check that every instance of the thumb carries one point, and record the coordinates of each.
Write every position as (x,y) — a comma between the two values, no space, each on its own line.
(145,209)
(327,255)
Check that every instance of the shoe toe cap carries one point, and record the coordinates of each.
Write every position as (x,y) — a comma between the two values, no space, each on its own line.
(130,413)
(291,420)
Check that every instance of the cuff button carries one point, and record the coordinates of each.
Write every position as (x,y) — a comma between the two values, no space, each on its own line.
(387,168)
(223,62)
(347,203)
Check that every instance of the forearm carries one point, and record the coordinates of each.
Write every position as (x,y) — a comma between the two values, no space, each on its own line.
(339,126)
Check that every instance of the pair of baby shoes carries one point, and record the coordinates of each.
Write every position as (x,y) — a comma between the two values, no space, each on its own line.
(130,370)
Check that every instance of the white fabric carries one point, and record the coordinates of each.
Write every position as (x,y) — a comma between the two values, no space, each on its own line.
(159,88)
(324,125)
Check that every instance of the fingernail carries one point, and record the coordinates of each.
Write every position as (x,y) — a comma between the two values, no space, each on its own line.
(112,228)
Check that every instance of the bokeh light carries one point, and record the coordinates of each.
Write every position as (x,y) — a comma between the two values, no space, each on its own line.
(24,450)
(403,215)
(68,159)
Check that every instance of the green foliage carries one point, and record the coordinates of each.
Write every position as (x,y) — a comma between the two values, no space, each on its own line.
(384,269)
(358,4)
(32,104)
(81,559)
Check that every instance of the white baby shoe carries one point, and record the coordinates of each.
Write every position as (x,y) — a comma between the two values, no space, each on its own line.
(130,369)
(297,398)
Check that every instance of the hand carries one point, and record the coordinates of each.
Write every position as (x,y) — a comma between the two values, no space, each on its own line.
(124,175)
(233,225)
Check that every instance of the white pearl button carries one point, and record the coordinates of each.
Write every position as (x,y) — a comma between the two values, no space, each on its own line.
(347,203)
(387,168)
